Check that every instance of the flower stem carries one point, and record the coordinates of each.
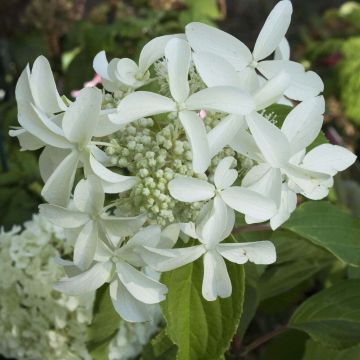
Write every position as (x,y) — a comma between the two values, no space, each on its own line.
(251,228)
(263,339)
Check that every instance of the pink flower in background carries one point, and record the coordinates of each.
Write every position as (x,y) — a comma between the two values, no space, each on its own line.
(92,83)
(203,114)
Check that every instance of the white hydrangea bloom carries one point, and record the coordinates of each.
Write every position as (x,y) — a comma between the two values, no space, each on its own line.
(206,151)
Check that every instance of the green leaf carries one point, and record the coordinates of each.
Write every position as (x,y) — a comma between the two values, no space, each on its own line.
(160,348)
(297,261)
(329,227)
(288,345)
(315,350)
(105,323)
(201,329)
(277,113)
(332,316)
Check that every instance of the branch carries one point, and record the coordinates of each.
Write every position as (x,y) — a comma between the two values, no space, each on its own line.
(263,339)
(251,228)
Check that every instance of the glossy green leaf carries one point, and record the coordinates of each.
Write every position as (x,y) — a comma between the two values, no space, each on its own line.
(201,329)
(297,261)
(315,350)
(332,316)
(329,227)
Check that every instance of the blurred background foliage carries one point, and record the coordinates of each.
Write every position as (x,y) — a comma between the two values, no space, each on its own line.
(324,35)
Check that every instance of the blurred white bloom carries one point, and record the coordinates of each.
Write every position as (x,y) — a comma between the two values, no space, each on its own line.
(210,230)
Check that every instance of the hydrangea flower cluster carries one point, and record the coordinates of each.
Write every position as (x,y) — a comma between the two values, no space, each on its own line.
(37,322)
(175,145)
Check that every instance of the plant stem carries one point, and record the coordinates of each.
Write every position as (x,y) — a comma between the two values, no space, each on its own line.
(251,228)
(263,339)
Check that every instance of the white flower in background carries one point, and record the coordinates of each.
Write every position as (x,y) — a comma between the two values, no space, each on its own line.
(229,197)
(90,220)
(280,154)
(131,290)
(37,322)
(125,73)
(223,98)
(210,231)
(232,54)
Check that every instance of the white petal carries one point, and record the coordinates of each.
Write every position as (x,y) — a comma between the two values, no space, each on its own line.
(250,80)
(249,202)
(271,141)
(303,123)
(282,52)
(85,246)
(274,29)
(271,91)
(30,120)
(178,55)
(226,99)
(214,70)
(154,50)
(217,225)
(307,180)
(105,126)
(109,176)
(89,195)
(27,141)
(87,281)
(189,229)
(22,89)
(141,104)
(100,65)
(216,280)
(259,252)
(329,159)
(148,236)
(49,160)
(170,259)
(225,175)
(43,87)
(222,134)
(304,85)
(287,206)
(196,134)
(203,37)
(255,174)
(82,116)
(122,226)
(169,236)
(129,308)
(126,71)
(117,188)
(63,217)
(189,189)
(139,285)
(269,184)
(244,144)
(57,188)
